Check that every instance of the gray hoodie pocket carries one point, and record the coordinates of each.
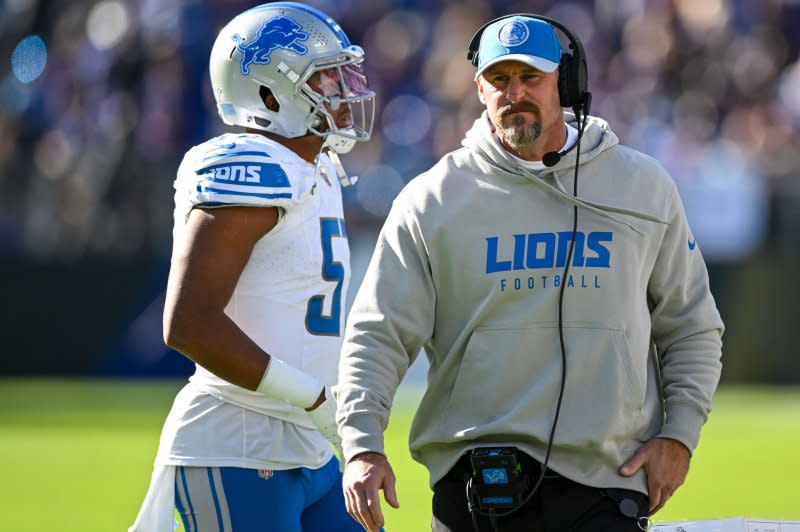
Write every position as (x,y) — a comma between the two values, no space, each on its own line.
(509,379)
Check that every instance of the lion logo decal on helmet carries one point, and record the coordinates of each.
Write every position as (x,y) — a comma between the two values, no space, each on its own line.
(279,32)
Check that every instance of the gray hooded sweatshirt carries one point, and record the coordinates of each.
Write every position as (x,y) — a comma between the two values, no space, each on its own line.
(469,265)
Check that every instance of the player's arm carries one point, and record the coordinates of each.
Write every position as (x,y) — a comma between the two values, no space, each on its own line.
(203,275)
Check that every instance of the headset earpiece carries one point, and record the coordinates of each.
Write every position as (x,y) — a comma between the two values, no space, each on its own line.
(571,81)
(565,80)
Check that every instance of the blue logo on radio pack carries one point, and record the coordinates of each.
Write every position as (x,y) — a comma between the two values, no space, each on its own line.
(279,32)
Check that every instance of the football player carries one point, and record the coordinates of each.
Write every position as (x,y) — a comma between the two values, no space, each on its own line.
(259,271)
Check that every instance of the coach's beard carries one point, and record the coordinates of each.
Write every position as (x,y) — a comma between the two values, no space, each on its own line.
(519,133)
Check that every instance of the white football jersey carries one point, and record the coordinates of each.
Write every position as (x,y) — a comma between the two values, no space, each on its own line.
(290,297)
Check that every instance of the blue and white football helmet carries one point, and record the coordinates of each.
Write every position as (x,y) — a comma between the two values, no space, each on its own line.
(280,46)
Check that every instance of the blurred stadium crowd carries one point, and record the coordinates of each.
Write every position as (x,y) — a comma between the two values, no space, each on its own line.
(91,138)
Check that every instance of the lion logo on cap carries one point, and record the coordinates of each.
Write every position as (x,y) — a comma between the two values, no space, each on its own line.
(513,33)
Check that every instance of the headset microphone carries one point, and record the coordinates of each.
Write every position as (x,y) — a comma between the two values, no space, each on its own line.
(552,158)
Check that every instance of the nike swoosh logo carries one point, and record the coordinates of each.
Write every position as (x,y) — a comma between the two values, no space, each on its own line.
(692,244)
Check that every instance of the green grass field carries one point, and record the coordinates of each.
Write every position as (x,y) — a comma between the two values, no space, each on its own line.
(77,455)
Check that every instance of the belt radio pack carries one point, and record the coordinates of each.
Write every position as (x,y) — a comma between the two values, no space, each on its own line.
(497,479)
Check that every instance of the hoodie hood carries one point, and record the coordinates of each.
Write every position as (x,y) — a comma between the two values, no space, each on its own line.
(597,138)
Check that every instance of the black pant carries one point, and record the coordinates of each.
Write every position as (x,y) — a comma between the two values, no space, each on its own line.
(560,505)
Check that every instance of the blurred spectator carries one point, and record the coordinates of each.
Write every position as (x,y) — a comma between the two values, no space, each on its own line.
(89,148)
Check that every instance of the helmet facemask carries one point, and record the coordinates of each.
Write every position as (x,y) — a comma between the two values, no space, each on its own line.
(330,84)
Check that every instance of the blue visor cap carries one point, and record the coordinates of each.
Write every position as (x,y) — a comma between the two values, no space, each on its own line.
(524,39)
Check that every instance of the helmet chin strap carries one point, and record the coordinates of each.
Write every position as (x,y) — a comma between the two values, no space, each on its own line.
(344,179)
(338,144)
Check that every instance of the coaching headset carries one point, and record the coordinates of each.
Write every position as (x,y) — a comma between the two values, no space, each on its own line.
(573,93)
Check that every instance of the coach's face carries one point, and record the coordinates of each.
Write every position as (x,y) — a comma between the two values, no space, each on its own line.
(523,105)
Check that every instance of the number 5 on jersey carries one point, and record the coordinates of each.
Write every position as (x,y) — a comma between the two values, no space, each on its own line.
(316,321)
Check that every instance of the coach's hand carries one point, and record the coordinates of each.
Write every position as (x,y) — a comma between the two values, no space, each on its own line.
(666,462)
(364,475)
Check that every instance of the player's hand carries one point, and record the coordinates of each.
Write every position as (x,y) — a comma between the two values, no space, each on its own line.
(323,415)
(364,475)
(666,462)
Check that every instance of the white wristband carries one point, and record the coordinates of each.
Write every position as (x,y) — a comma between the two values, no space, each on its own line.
(288,384)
